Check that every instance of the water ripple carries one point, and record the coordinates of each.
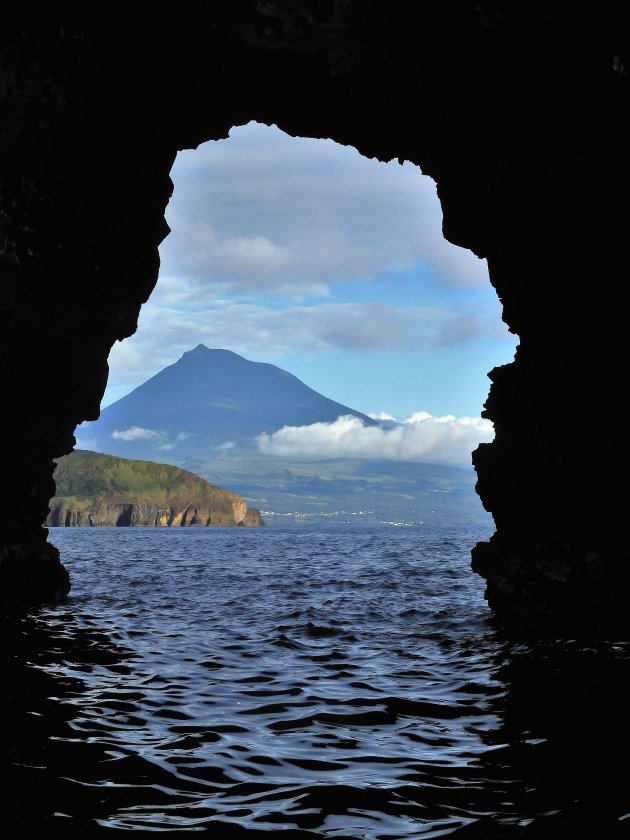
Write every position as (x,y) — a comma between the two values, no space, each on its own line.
(338,683)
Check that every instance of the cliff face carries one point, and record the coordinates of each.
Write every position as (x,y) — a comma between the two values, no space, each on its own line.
(102,490)
(124,515)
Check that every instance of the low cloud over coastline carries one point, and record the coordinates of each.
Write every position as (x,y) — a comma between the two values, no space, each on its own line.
(419,437)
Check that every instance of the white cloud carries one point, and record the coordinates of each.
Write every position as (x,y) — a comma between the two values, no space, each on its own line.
(465,327)
(254,254)
(264,211)
(166,330)
(375,326)
(267,233)
(137,433)
(173,322)
(381,415)
(196,250)
(160,438)
(420,437)
(173,443)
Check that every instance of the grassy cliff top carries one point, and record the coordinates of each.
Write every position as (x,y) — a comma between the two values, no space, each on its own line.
(84,475)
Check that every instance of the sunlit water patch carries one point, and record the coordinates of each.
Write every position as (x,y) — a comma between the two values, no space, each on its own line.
(343,682)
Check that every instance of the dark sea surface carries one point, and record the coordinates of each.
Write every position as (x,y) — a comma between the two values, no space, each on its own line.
(300,682)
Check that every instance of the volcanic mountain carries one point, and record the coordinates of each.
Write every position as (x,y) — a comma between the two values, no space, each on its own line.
(205,412)
(208,401)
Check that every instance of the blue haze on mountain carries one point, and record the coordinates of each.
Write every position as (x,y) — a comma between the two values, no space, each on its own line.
(205,411)
(213,397)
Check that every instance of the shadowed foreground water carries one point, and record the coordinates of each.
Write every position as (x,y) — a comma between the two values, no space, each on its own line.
(296,682)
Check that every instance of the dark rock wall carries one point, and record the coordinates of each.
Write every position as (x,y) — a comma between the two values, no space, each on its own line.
(518,110)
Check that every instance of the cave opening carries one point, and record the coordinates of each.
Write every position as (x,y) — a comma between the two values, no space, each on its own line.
(332,266)
(124,517)
(356,711)
(531,167)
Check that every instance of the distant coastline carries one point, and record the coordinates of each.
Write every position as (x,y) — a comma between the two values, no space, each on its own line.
(97,490)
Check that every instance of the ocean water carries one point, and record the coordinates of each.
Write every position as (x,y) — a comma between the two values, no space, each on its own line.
(301,682)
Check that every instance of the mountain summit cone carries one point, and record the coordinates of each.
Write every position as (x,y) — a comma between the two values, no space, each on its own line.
(208,400)
(205,412)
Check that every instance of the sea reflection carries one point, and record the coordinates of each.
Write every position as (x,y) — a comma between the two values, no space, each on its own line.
(318,719)
(550,758)
(48,769)
(563,737)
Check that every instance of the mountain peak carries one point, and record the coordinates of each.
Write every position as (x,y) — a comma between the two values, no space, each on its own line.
(206,400)
(202,350)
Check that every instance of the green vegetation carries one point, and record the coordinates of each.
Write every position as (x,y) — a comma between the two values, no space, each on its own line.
(85,478)
(421,492)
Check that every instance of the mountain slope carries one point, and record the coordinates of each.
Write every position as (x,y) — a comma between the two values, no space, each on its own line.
(208,398)
(96,489)
(204,412)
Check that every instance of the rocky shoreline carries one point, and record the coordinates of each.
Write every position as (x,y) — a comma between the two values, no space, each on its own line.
(97,490)
(143,515)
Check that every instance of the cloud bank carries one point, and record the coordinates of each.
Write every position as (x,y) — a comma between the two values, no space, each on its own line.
(303,253)
(420,437)
(170,327)
(263,211)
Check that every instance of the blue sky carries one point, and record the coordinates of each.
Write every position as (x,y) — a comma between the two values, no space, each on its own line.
(302,253)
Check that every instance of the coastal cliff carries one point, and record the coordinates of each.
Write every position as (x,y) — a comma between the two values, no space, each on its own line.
(102,490)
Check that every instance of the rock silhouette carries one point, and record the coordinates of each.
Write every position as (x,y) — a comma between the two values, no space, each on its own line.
(519,112)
